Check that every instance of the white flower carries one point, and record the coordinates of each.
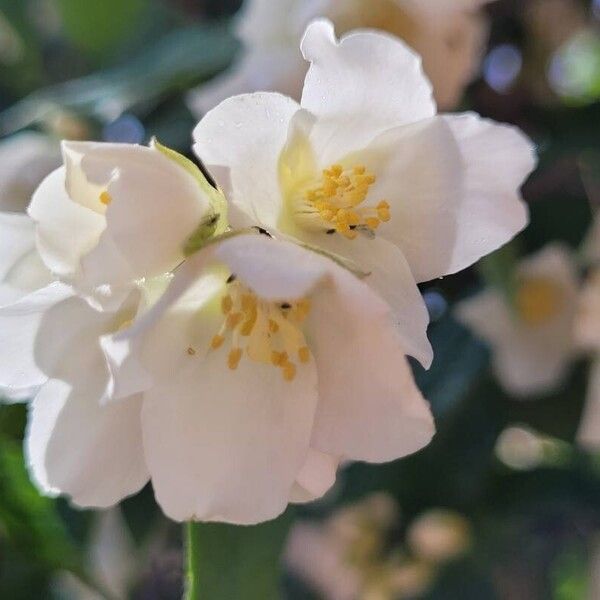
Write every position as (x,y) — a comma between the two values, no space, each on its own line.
(448,34)
(269,364)
(364,168)
(587,335)
(115,213)
(532,342)
(25,159)
(114,218)
(439,535)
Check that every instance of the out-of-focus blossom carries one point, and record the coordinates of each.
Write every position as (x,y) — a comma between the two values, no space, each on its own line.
(439,535)
(269,363)
(110,561)
(352,556)
(587,334)
(531,338)
(561,54)
(364,169)
(449,35)
(522,448)
(25,159)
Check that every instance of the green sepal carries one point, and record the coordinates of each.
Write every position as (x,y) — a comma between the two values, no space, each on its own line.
(215,223)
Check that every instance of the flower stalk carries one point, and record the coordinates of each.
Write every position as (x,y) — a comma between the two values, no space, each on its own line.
(192,562)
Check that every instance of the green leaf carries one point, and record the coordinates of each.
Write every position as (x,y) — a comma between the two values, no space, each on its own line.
(29,521)
(231,561)
(100,25)
(176,61)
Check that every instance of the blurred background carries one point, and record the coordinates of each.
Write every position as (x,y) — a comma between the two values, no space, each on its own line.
(505,503)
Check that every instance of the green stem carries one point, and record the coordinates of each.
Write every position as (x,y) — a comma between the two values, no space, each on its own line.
(192,562)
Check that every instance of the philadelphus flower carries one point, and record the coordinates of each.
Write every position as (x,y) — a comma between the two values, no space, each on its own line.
(364,169)
(137,206)
(532,341)
(86,241)
(269,364)
(448,34)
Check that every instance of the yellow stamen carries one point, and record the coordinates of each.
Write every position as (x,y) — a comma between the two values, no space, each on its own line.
(538,300)
(233,360)
(335,204)
(226,304)
(105,198)
(289,371)
(263,331)
(217,341)
(191,351)
(304,354)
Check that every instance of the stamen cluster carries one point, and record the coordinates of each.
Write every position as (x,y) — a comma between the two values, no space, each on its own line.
(338,198)
(268,332)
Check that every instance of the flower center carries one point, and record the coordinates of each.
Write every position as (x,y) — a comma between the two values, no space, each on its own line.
(336,203)
(267,332)
(538,300)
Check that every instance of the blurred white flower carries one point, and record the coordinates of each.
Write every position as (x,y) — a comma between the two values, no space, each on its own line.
(587,335)
(439,535)
(532,342)
(348,556)
(364,169)
(522,448)
(25,159)
(111,561)
(448,34)
(269,363)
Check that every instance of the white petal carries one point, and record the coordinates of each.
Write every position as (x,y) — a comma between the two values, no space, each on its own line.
(278,68)
(389,274)
(227,445)
(20,369)
(360,87)
(76,447)
(25,159)
(273,269)
(65,230)
(156,205)
(21,270)
(588,434)
(128,375)
(498,159)
(246,135)
(316,477)
(369,406)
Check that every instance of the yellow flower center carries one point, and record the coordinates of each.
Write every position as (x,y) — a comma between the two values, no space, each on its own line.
(105,198)
(538,300)
(336,203)
(266,332)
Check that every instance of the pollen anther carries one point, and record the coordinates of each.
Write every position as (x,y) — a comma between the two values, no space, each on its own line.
(105,198)
(335,204)
(263,331)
